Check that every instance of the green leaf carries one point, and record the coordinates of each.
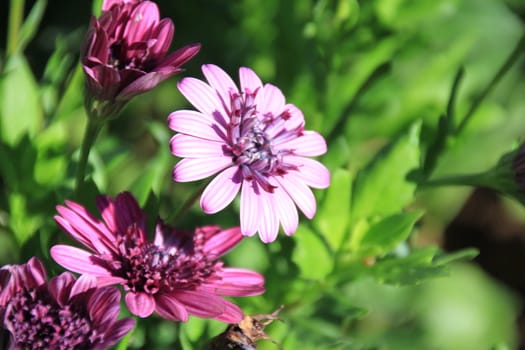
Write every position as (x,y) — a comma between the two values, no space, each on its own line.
(31,24)
(21,222)
(381,188)
(311,254)
(20,109)
(420,265)
(58,69)
(334,211)
(386,234)
(409,270)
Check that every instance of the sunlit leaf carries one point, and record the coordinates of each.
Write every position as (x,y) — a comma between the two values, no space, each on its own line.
(20,109)
(386,234)
(311,254)
(382,188)
(334,211)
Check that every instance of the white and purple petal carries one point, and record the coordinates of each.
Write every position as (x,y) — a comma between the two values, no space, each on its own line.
(221,190)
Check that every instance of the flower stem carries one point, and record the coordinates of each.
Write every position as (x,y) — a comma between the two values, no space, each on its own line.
(93,127)
(479,179)
(16,13)
(520,47)
(177,215)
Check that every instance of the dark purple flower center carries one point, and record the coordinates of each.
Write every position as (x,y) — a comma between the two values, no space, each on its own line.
(150,268)
(36,322)
(136,56)
(251,147)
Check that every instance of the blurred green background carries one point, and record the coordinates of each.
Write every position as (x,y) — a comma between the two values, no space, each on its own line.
(362,72)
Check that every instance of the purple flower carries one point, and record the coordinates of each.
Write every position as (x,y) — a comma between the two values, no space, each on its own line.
(256,143)
(66,313)
(176,275)
(124,53)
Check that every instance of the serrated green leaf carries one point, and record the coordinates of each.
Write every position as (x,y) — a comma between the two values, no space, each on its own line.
(334,211)
(420,265)
(386,234)
(20,109)
(381,188)
(409,270)
(311,254)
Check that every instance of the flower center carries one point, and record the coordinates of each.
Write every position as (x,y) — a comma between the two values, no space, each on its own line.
(251,146)
(150,268)
(36,322)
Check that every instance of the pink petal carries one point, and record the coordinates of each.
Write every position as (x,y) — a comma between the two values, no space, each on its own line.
(144,17)
(77,260)
(180,56)
(201,304)
(221,190)
(238,283)
(287,211)
(269,218)
(249,208)
(82,284)
(300,193)
(128,213)
(190,169)
(250,82)
(164,34)
(272,100)
(203,97)
(140,304)
(310,171)
(84,228)
(170,308)
(189,146)
(221,82)
(36,272)
(118,330)
(310,143)
(60,286)
(222,242)
(146,82)
(296,119)
(104,306)
(232,313)
(196,124)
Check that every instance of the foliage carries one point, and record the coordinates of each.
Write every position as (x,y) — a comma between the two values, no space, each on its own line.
(376,78)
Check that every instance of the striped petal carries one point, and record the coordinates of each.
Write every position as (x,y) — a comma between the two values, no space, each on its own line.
(190,169)
(310,171)
(221,82)
(301,195)
(197,124)
(189,146)
(221,190)
(203,97)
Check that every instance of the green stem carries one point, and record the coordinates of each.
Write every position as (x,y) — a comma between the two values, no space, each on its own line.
(177,215)
(499,74)
(480,179)
(93,128)
(16,13)
(453,95)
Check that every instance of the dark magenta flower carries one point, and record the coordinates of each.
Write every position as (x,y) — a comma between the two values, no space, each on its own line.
(124,54)
(176,275)
(64,314)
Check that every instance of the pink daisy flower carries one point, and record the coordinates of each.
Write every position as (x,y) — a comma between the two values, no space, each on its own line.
(176,275)
(257,144)
(64,314)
